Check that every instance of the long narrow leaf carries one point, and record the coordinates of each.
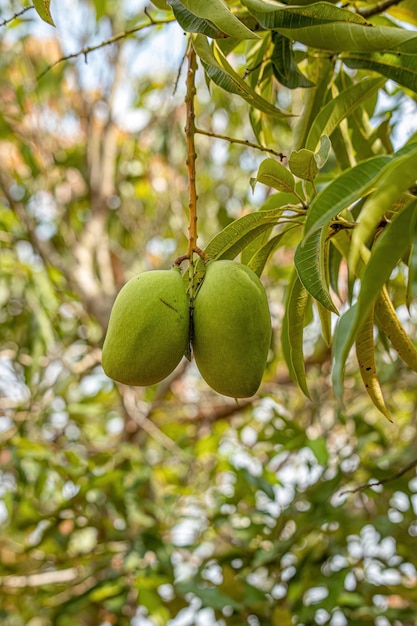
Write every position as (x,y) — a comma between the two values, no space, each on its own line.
(340,107)
(351,185)
(321,25)
(217,12)
(365,352)
(310,264)
(396,177)
(293,327)
(219,70)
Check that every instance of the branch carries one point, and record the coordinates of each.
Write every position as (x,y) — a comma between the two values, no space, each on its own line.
(406,469)
(243,142)
(123,35)
(379,7)
(15,16)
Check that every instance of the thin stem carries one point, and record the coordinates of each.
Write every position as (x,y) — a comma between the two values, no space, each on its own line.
(379,7)
(191,157)
(123,35)
(15,16)
(243,142)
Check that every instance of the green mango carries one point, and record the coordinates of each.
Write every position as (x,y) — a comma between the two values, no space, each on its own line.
(148,330)
(231,329)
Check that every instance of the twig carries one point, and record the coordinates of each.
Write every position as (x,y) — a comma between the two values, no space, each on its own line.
(379,7)
(406,469)
(191,153)
(15,16)
(123,35)
(243,142)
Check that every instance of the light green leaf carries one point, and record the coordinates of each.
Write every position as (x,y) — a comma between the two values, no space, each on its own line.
(340,350)
(310,264)
(293,332)
(217,12)
(326,27)
(387,251)
(222,74)
(261,256)
(346,189)
(322,154)
(275,175)
(399,65)
(43,10)
(340,107)
(303,164)
(241,232)
(395,178)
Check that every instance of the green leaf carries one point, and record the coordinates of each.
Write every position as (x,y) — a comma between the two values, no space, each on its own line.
(310,263)
(241,232)
(293,332)
(192,24)
(303,164)
(340,107)
(284,65)
(43,10)
(261,256)
(319,448)
(341,346)
(346,189)
(399,65)
(275,175)
(395,178)
(387,251)
(222,74)
(326,27)
(322,154)
(218,13)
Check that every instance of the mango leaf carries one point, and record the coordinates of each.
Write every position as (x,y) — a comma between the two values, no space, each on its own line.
(340,107)
(340,350)
(218,13)
(303,164)
(241,231)
(346,189)
(395,178)
(192,24)
(310,264)
(261,256)
(293,331)
(412,270)
(388,321)
(365,353)
(42,8)
(326,27)
(284,66)
(387,251)
(275,175)
(222,74)
(399,65)
(322,153)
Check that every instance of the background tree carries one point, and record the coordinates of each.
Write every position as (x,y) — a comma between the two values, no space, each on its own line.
(171,504)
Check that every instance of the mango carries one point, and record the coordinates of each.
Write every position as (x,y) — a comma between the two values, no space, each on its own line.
(231,329)
(148,330)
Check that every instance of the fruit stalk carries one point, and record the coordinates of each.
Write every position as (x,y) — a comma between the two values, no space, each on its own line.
(191,156)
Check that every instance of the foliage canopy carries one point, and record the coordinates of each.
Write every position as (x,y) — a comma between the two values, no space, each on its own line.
(170,504)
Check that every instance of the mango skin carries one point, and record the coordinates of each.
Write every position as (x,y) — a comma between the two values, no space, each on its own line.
(148,330)
(231,329)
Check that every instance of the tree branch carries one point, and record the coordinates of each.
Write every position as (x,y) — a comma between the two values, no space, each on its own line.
(379,7)
(243,142)
(117,37)
(377,483)
(15,16)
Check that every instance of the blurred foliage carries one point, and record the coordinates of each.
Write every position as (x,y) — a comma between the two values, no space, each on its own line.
(172,505)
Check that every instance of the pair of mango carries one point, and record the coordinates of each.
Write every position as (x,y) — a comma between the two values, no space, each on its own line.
(149,329)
